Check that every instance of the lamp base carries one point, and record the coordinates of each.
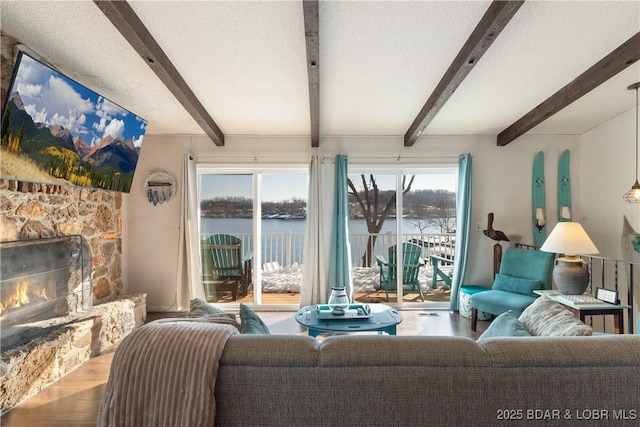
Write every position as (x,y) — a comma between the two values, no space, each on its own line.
(570,276)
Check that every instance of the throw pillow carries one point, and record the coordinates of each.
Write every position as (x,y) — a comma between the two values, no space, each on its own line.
(199,308)
(250,322)
(516,285)
(506,325)
(545,317)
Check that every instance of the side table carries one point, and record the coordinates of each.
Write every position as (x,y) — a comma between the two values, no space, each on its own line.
(581,311)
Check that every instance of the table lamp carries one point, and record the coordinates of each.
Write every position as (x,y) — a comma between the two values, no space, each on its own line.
(570,273)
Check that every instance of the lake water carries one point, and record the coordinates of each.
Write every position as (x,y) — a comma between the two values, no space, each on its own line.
(243,226)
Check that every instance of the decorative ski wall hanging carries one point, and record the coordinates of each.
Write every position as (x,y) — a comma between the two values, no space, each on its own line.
(538,201)
(564,188)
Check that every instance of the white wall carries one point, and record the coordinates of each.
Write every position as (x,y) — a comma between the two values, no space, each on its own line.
(502,184)
(608,171)
(152,232)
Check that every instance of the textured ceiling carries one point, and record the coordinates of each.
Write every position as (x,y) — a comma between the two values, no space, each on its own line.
(379,62)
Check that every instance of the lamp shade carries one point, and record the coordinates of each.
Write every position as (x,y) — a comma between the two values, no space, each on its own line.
(569,238)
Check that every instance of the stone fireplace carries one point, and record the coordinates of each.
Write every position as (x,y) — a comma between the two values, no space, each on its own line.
(44,283)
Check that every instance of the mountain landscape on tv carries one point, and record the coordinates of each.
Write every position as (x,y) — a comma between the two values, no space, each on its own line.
(66,159)
(56,131)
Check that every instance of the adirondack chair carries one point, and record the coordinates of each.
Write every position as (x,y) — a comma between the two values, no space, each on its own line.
(224,268)
(442,270)
(412,262)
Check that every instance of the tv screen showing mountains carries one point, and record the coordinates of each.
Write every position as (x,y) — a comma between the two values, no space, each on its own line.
(57,131)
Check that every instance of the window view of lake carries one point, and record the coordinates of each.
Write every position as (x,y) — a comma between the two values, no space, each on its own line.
(229,202)
(277,248)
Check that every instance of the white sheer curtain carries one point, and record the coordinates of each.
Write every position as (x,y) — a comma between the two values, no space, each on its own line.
(315,286)
(189,273)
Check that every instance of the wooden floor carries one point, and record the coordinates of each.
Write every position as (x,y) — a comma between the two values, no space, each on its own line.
(74,400)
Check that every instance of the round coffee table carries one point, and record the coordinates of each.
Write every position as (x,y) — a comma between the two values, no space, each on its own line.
(383,319)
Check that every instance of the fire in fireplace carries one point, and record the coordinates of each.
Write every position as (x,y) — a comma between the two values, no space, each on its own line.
(41,280)
(23,294)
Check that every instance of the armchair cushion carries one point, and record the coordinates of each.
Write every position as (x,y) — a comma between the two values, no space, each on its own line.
(546,317)
(506,325)
(528,264)
(517,285)
(497,302)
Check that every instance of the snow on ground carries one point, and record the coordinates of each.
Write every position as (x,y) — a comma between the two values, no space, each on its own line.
(365,279)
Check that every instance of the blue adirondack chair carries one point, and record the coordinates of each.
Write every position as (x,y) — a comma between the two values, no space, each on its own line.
(412,262)
(224,267)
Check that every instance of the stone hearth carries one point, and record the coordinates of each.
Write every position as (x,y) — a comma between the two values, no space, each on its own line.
(27,369)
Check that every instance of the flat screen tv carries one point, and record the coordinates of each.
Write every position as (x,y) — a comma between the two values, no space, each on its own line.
(56,131)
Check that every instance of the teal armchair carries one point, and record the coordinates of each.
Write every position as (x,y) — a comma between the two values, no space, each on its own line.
(521,272)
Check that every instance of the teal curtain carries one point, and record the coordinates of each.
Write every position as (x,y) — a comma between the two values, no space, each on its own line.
(340,262)
(463,227)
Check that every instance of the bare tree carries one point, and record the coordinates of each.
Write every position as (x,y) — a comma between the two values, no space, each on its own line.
(373,212)
(444,214)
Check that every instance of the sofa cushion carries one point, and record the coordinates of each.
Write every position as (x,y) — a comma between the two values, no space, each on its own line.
(548,318)
(518,285)
(250,322)
(498,302)
(506,325)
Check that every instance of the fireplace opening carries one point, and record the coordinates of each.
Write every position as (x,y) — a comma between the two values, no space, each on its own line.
(43,283)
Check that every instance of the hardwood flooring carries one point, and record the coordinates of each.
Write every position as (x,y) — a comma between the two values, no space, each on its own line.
(74,400)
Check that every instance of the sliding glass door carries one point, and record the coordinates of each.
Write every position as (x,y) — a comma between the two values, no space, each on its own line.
(252,225)
(402,226)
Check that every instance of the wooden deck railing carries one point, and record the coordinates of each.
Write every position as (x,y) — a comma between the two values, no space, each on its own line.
(287,248)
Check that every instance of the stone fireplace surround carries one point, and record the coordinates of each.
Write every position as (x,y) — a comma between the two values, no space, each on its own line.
(37,211)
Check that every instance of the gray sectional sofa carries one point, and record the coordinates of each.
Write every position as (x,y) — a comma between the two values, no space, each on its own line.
(369,380)
(356,380)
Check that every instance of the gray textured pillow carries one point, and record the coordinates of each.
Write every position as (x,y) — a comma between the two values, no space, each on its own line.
(546,317)
(506,325)
(199,307)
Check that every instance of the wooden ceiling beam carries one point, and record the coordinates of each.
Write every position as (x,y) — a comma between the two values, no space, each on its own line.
(124,18)
(622,57)
(311,34)
(492,23)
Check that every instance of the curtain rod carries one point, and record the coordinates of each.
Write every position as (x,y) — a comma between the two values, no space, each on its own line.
(259,159)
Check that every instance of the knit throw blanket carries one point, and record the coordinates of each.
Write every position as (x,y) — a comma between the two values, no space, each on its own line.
(164,374)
